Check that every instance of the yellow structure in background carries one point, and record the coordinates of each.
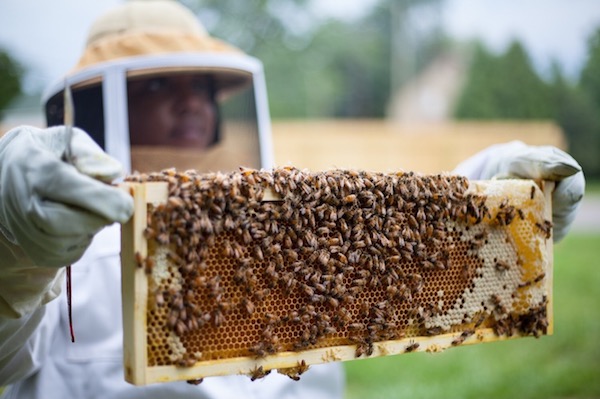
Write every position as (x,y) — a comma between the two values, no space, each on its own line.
(385,146)
(380,145)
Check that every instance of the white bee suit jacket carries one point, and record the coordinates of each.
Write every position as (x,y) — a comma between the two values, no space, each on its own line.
(48,365)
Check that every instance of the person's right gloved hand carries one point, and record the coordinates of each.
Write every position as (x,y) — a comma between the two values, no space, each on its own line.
(52,209)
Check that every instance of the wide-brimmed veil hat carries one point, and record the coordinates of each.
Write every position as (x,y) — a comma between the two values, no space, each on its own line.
(144,38)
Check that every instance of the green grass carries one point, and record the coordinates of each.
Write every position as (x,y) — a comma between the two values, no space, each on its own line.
(564,365)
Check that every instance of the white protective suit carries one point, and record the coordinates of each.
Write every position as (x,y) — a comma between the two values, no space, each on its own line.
(49,212)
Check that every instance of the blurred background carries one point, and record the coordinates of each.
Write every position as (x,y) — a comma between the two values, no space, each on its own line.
(400,84)
(412,84)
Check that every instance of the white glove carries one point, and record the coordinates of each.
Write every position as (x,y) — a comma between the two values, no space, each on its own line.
(49,208)
(518,160)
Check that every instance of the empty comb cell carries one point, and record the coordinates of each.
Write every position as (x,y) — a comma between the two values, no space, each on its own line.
(251,271)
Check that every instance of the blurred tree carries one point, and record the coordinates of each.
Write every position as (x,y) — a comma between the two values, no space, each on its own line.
(578,110)
(590,75)
(504,87)
(316,67)
(10,80)
(346,69)
(579,119)
(523,94)
(476,100)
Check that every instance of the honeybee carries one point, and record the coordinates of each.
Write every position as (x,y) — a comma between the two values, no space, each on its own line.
(258,350)
(148,265)
(218,317)
(501,265)
(139,259)
(175,202)
(545,227)
(356,326)
(333,302)
(364,348)
(163,238)
(258,253)
(462,337)
(149,233)
(260,295)
(181,327)
(537,279)
(324,257)
(302,367)
(159,298)
(248,306)
(434,331)
(186,361)
(412,346)
(349,199)
(295,372)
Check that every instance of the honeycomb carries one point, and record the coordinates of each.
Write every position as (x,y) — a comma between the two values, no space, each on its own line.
(242,268)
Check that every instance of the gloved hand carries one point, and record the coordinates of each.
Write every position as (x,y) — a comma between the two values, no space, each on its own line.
(518,160)
(49,208)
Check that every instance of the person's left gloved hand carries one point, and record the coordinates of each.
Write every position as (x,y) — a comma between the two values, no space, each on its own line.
(518,160)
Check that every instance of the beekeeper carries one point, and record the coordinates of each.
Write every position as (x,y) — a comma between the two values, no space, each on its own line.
(151,90)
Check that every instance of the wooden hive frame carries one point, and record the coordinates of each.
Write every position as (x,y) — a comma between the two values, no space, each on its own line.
(138,296)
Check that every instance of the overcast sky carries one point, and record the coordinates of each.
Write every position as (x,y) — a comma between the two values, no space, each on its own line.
(549,29)
(47,36)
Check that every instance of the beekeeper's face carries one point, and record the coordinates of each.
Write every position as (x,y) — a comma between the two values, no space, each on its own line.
(176,110)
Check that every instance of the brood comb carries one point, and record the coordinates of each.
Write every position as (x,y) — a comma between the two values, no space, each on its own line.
(251,271)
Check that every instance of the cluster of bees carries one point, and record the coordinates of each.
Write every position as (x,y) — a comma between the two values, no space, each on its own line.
(339,257)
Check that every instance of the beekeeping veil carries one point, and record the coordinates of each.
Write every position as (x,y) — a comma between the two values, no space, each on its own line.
(150,38)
